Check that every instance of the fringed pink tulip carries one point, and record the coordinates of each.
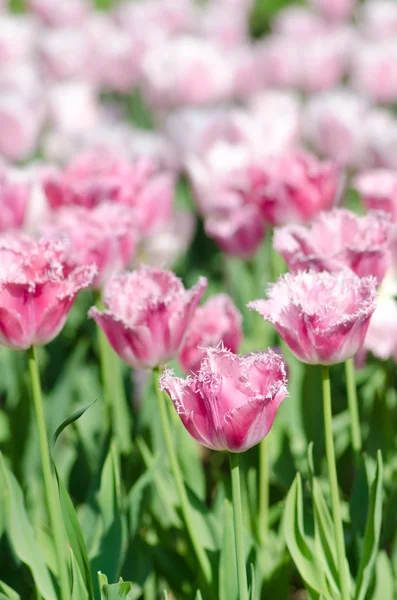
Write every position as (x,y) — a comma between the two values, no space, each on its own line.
(294,188)
(37,290)
(338,240)
(322,317)
(95,177)
(104,236)
(147,315)
(232,401)
(378,189)
(217,321)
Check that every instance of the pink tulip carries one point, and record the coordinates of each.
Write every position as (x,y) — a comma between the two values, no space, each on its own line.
(147,315)
(338,240)
(373,71)
(20,125)
(67,53)
(231,403)
(333,125)
(381,139)
(37,290)
(95,177)
(378,190)
(169,17)
(322,317)
(379,18)
(18,35)
(238,232)
(217,321)
(104,236)
(73,107)
(56,14)
(381,338)
(186,70)
(294,188)
(14,197)
(335,10)
(298,22)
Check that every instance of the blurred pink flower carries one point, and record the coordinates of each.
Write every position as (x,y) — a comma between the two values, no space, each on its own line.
(95,177)
(231,403)
(380,130)
(373,71)
(378,190)
(335,10)
(322,317)
(37,290)
(216,321)
(73,107)
(338,240)
(104,236)
(298,22)
(378,18)
(169,17)
(14,197)
(238,232)
(60,13)
(186,70)
(67,53)
(381,338)
(170,242)
(224,24)
(21,120)
(333,126)
(18,36)
(147,315)
(295,187)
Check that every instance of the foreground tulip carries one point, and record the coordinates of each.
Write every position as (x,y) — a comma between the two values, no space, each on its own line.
(218,320)
(148,314)
(322,317)
(338,240)
(104,236)
(37,290)
(230,404)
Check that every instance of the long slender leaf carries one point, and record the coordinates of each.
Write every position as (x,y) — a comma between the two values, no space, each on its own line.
(72,419)
(372,533)
(298,544)
(20,533)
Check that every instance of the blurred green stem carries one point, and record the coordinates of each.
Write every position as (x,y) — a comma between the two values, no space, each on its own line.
(50,486)
(113,388)
(201,556)
(333,484)
(238,528)
(353,406)
(263,508)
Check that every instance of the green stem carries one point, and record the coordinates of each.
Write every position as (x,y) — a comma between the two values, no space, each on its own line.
(353,406)
(333,484)
(114,393)
(238,528)
(50,486)
(263,508)
(201,556)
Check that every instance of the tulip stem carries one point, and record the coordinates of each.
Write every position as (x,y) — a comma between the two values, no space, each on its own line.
(50,486)
(114,394)
(333,483)
(263,508)
(238,528)
(201,556)
(353,406)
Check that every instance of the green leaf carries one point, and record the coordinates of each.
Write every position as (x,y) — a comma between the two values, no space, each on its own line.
(79,590)
(324,531)
(359,498)
(372,533)
(112,507)
(20,532)
(122,589)
(199,595)
(75,536)
(299,546)
(384,586)
(227,562)
(252,589)
(8,593)
(72,419)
